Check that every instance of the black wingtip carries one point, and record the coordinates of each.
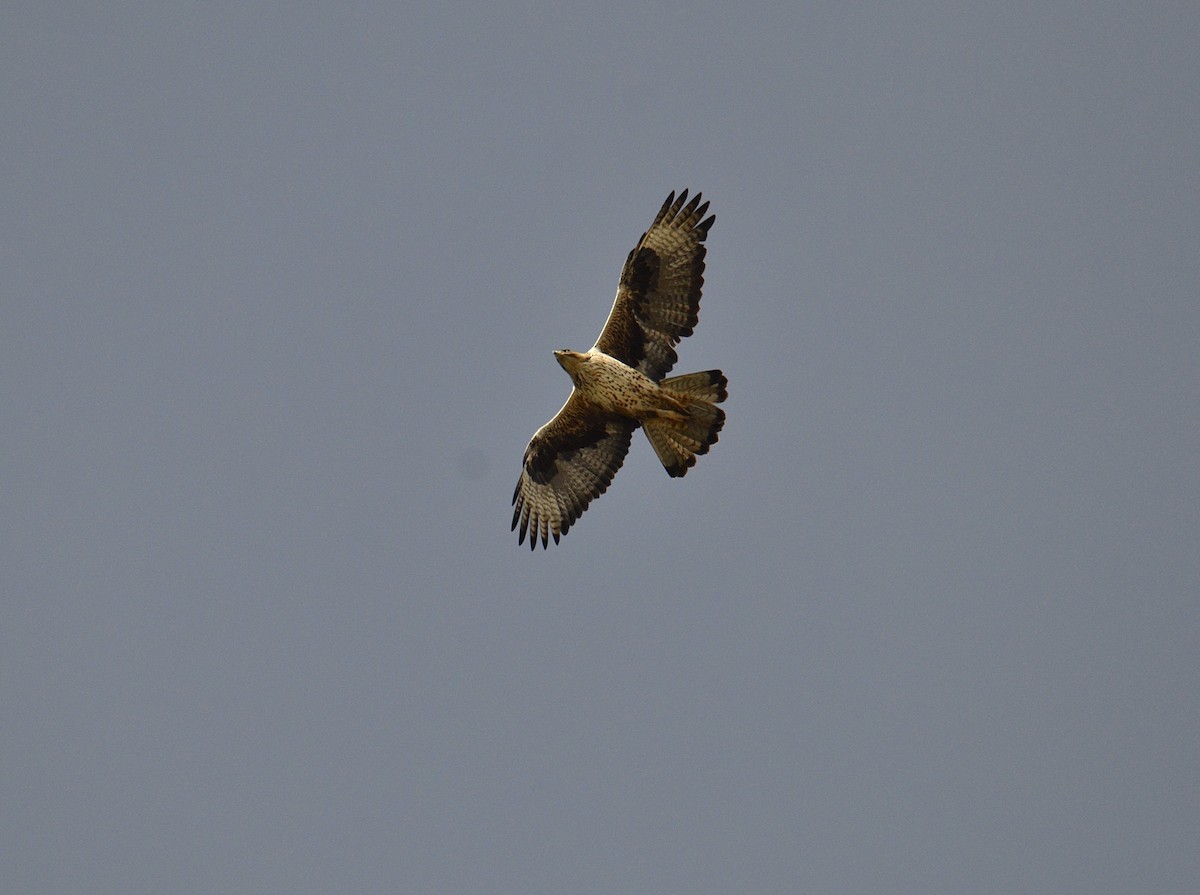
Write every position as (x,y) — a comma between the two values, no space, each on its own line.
(678,203)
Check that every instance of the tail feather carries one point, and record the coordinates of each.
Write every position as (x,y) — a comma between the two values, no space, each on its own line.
(707,386)
(678,438)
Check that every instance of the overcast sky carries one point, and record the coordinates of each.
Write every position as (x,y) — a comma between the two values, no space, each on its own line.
(279,291)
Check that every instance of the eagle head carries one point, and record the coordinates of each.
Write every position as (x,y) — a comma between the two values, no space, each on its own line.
(570,361)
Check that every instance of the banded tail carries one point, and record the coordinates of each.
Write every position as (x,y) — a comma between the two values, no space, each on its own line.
(679,438)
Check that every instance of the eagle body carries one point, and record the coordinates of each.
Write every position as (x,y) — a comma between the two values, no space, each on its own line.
(616,387)
(620,384)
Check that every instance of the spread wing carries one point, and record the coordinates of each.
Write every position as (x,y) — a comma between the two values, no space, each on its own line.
(569,461)
(658,297)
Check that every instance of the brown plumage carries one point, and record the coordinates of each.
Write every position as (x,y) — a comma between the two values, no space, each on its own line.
(619,383)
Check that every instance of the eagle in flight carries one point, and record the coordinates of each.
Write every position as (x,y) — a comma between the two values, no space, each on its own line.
(620,385)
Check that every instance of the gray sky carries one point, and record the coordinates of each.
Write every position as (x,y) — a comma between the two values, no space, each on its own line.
(279,292)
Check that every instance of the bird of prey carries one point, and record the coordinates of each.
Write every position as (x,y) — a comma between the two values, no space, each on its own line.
(619,383)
